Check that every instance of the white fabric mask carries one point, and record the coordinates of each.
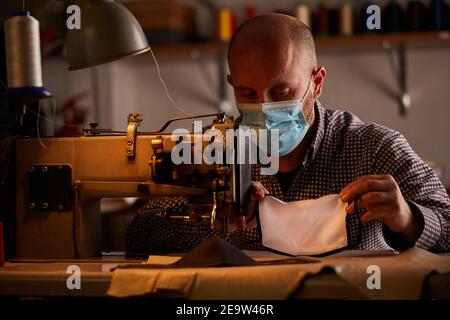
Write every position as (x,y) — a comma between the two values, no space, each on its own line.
(307,227)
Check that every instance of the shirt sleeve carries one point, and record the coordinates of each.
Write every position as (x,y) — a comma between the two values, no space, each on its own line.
(422,190)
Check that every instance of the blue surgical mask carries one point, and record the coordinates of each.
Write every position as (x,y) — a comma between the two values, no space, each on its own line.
(288,118)
(252,115)
(285,116)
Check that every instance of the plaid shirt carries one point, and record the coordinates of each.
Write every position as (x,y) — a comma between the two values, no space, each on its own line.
(343,149)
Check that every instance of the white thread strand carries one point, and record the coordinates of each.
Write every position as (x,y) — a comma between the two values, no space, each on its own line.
(51,120)
(38,127)
(53,116)
(164,85)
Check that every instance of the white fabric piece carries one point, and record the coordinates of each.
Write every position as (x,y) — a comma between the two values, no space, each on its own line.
(306,227)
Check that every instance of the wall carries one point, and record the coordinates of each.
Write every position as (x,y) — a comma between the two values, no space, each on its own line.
(359,81)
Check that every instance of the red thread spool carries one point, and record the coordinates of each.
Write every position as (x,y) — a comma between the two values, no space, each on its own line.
(2,247)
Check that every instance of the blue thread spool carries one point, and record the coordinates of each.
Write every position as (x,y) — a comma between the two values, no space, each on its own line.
(437,15)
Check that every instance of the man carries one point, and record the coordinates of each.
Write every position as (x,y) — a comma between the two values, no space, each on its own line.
(394,200)
(397,198)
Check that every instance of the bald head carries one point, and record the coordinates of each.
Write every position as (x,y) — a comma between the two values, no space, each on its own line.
(274,33)
(272,58)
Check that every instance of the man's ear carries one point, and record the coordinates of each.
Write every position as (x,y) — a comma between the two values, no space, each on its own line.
(229,79)
(319,80)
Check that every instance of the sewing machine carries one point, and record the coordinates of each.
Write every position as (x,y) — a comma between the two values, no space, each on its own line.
(60,182)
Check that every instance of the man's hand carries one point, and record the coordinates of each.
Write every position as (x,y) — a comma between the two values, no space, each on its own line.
(255,193)
(380,197)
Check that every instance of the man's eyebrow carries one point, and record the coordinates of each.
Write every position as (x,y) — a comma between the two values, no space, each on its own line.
(243,88)
(282,84)
(278,84)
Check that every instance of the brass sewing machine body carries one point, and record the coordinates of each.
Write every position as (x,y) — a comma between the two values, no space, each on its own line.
(59,187)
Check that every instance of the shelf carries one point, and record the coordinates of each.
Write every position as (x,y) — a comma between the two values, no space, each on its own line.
(192,48)
(360,41)
(431,37)
(395,45)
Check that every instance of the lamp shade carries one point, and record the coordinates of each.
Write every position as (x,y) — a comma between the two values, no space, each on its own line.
(108,32)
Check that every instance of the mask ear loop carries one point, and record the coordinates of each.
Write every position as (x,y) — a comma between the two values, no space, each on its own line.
(303,99)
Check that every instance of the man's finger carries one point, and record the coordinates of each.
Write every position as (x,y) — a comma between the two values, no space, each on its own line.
(361,186)
(257,186)
(250,208)
(258,195)
(257,191)
(367,177)
(241,222)
(368,201)
(378,213)
(231,224)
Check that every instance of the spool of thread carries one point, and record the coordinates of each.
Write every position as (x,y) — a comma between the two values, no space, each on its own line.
(2,246)
(234,24)
(23,56)
(392,17)
(323,20)
(333,21)
(437,15)
(416,16)
(224,25)
(303,14)
(250,12)
(346,19)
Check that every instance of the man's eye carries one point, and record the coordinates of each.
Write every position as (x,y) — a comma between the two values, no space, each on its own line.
(248,94)
(281,93)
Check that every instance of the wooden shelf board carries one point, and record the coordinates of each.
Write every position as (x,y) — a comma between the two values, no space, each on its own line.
(436,37)
(321,42)
(190,48)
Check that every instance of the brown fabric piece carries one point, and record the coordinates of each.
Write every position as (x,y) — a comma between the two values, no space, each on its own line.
(216,253)
(402,277)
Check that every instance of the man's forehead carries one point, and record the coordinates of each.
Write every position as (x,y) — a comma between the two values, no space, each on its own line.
(271,48)
(261,45)
(260,63)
